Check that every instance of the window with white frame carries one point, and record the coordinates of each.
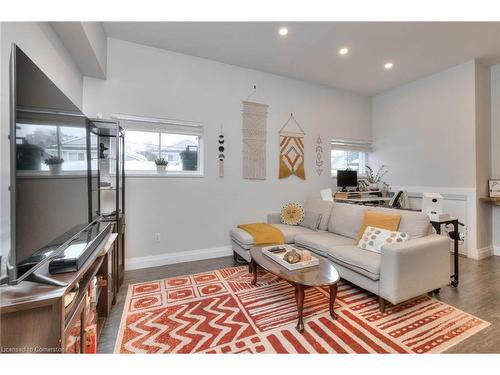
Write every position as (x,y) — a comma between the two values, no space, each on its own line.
(349,154)
(177,142)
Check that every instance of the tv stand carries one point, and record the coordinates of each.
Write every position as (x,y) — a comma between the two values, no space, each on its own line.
(41,318)
(42,279)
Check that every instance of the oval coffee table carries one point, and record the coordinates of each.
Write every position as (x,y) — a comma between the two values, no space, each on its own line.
(323,274)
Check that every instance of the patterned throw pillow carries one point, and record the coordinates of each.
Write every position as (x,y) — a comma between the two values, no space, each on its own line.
(292,214)
(374,238)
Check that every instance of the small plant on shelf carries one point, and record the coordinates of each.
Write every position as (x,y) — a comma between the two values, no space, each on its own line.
(53,160)
(161,164)
(374,179)
(54,163)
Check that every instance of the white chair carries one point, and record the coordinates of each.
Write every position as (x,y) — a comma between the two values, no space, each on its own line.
(326,194)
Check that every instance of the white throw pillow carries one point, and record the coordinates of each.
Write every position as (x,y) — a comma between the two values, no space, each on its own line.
(374,238)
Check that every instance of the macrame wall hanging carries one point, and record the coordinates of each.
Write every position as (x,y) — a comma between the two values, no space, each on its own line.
(292,149)
(319,156)
(221,156)
(254,139)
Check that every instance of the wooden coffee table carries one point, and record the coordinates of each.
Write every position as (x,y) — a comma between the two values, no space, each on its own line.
(323,274)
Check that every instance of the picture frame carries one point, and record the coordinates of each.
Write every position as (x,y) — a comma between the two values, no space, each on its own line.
(494,187)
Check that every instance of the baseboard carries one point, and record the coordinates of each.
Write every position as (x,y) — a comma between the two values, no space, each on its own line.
(180,257)
(496,251)
(482,253)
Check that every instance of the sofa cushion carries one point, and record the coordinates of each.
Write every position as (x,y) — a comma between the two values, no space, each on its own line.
(245,239)
(321,242)
(346,219)
(290,231)
(362,261)
(414,223)
(242,237)
(319,206)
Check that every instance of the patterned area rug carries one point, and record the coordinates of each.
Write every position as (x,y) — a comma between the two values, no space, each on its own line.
(221,312)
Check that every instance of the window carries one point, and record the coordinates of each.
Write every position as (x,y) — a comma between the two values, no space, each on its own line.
(349,154)
(150,139)
(141,150)
(37,142)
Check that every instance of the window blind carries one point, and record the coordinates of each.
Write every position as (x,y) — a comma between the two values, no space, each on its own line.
(34,116)
(159,125)
(351,145)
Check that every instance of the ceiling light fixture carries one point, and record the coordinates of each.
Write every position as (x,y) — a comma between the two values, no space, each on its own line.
(283,31)
(344,51)
(388,65)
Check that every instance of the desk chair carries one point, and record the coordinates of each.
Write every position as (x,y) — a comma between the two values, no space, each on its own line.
(395,201)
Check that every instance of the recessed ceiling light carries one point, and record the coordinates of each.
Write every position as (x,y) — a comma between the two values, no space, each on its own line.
(283,31)
(388,65)
(344,51)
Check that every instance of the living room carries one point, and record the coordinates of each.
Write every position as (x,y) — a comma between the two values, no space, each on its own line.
(287,186)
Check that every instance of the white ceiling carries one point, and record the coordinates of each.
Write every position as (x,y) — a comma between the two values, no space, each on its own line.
(310,51)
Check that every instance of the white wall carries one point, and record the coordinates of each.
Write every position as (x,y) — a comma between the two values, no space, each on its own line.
(41,44)
(98,41)
(197,213)
(495,147)
(424,132)
(87,44)
(483,156)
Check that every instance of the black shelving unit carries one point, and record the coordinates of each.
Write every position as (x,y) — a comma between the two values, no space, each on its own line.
(106,182)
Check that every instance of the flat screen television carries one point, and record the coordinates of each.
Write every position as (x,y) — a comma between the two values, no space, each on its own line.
(48,202)
(347,178)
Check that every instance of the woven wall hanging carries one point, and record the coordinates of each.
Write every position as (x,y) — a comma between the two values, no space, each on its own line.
(254,140)
(319,156)
(292,149)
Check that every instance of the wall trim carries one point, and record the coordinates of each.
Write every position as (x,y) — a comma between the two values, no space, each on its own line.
(482,253)
(179,257)
(496,251)
(462,194)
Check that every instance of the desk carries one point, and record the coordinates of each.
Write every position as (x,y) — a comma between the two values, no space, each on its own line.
(437,227)
(363,200)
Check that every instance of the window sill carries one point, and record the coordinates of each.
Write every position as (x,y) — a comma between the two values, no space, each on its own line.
(153,174)
(47,174)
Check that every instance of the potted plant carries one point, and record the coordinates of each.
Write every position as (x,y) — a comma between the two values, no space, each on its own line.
(161,165)
(375,178)
(54,163)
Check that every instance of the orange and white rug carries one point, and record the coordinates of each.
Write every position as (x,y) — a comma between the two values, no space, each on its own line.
(221,312)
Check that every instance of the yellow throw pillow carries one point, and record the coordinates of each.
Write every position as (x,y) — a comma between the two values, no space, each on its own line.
(379,220)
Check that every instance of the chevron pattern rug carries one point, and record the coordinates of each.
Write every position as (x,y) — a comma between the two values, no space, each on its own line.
(221,312)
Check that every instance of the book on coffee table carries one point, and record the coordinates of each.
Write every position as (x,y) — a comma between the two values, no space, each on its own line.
(277,252)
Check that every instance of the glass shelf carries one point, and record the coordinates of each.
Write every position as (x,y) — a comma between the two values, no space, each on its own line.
(104,188)
(107,136)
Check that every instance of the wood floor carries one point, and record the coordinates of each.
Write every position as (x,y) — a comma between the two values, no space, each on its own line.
(477,294)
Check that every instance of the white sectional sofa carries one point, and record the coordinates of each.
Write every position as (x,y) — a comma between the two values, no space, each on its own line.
(400,272)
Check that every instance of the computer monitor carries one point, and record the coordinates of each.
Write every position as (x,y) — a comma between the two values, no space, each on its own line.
(347,179)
